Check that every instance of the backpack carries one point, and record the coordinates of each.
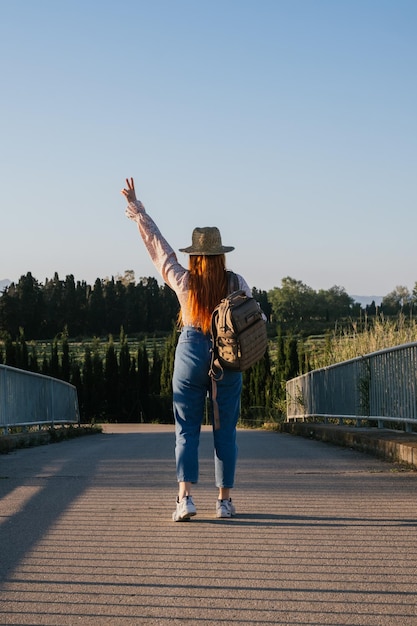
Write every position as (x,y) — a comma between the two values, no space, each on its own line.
(238,331)
(239,339)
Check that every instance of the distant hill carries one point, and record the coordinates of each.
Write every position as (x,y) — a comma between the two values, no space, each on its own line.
(365,300)
(3,284)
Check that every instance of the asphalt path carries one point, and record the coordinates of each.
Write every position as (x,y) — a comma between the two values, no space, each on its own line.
(323,535)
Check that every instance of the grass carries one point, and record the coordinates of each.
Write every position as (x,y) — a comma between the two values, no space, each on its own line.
(379,334)
(28,438)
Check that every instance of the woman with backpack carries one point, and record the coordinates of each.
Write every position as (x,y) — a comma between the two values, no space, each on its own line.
(199,289)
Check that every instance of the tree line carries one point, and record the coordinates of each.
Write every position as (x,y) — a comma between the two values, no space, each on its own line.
(43,310)
(304,311)
(115,384)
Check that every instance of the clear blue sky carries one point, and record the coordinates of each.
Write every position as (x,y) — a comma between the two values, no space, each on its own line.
(290,124)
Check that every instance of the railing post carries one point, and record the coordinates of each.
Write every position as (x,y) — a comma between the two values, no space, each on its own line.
(3,415)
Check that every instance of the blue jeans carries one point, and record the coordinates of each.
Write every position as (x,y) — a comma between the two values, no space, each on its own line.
(191,384)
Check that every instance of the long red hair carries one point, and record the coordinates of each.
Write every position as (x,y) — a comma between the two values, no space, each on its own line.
(207,286)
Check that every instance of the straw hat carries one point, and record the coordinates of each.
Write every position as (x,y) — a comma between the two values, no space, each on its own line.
(207,241)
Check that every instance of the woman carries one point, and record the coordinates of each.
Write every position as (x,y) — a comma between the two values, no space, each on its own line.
(199,289)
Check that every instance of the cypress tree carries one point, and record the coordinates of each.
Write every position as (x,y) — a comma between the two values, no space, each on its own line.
(125,389)
(111,381)
(280,356)
(256,393)
(75,379)
(135,411)
(45,365)
(291,358)
(112,320)
(33,359)
(167,367)
(22,356)
(155,373)
(86,397)
(54,368)
(98,397)
(96,310)
(65,358)
(303,358)
(163,409)
(124,356)
(30,305)
(278,384)
(10,350)
(52,295)
(143,381)
(9,311)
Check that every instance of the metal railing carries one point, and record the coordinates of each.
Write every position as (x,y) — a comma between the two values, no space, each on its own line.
(381,387)
(29,399)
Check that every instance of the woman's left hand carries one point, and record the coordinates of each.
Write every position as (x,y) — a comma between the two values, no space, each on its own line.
(129,192)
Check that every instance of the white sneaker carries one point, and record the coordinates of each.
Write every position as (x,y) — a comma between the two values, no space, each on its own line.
(185,509)
(225,508)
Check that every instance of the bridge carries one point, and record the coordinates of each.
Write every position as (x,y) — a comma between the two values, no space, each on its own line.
(323,535)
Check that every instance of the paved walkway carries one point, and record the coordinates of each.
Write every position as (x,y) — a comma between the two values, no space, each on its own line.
(324,535)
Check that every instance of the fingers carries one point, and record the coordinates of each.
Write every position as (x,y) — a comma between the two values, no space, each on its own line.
(129,192)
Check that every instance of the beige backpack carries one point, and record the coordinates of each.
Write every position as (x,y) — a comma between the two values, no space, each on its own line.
(238,333)
(239,337)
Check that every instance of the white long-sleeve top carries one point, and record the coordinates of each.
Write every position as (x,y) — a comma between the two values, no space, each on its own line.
(165,259)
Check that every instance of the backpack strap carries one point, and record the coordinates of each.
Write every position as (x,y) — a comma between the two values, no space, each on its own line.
(215,373)
(216,370)
(232,285)
(233,281)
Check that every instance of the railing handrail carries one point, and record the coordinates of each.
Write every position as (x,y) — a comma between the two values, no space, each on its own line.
(37,374)
(31,399)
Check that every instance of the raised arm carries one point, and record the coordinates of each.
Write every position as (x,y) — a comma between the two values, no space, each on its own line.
(161,253)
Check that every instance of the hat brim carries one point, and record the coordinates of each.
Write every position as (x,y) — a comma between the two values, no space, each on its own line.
(192,250)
